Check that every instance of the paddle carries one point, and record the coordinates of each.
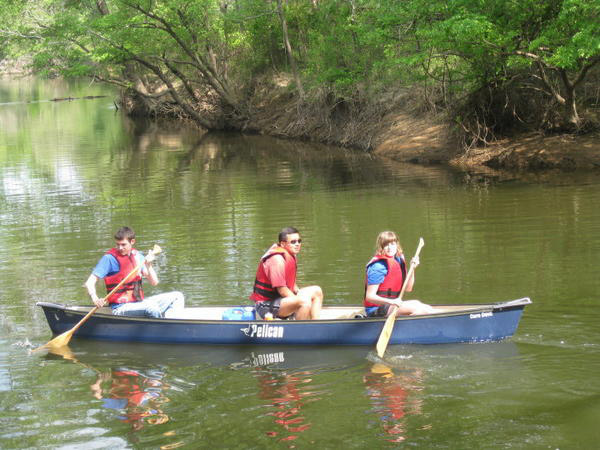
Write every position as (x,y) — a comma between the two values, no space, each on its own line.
(388,327)
(63,339)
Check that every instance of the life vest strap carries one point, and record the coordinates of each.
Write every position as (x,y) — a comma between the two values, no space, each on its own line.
(125,287)
(260,283)
(270,294)
(388,293)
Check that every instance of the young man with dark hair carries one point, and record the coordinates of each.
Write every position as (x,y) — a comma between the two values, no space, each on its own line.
(275,288)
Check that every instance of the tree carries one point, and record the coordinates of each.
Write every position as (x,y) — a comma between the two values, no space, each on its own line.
(476,41)
(288,47)
(157,50)
(199,58)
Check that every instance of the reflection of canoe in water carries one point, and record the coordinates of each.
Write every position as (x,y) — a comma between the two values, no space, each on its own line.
(337,326)
(138,354)
(450,357)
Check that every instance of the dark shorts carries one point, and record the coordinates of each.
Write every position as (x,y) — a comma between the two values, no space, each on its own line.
(269,306)
(377,311)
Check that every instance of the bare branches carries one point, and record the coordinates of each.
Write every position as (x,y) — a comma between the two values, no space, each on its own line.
(201,62)
(20,35)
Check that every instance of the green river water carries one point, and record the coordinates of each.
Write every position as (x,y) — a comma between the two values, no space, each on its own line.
(72,172)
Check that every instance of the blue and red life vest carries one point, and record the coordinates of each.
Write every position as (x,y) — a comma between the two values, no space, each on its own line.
(392,283)
(131,290)
(263,289)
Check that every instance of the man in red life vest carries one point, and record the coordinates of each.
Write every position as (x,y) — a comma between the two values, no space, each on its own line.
(275,289)
(129,300)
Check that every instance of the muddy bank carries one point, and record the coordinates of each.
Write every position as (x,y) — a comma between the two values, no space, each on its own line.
(389,126)
(395,129)
(527,152)
(537,152)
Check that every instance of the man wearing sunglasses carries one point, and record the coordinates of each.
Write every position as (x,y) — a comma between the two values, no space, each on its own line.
(275,289)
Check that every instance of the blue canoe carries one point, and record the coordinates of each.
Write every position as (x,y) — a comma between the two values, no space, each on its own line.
(339,325)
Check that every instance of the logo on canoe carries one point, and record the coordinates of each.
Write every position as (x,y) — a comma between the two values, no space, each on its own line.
(263,331)
(480,315)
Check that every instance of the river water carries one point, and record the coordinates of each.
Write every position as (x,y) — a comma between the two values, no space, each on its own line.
(72,172)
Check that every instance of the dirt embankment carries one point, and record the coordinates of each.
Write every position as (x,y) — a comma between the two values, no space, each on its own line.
(538,152)
(392,129)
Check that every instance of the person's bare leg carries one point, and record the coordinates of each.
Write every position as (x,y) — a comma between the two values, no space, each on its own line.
(313,295)
(298,305)
(414,308)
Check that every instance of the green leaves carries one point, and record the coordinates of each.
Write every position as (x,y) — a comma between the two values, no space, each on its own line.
(455,47)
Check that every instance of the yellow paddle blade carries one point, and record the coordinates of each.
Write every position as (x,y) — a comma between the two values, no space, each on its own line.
(58,343)
(61,340)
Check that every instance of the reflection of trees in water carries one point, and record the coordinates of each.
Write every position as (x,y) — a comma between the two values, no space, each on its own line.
(286,161)
(138,397)
(286,394)
(393,397)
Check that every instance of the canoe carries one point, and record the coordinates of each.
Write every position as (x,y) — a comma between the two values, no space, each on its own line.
(338,325)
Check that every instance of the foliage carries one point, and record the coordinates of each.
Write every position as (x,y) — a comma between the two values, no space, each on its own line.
(179,56)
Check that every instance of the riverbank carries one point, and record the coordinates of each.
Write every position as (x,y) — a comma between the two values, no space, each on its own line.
(393,128)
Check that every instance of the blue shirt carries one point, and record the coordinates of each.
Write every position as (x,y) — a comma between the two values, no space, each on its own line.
(108,265)
(377,271)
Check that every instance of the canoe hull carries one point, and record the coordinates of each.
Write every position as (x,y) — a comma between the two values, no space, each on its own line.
(477,323)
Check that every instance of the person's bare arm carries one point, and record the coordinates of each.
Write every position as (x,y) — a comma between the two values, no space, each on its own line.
(372,297)
(148,269)
(90,285)
(284,291)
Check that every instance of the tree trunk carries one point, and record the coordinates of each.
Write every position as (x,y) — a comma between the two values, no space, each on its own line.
(288,48)
(570,115)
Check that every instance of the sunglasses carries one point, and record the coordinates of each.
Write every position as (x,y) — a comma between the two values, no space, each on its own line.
(295,241)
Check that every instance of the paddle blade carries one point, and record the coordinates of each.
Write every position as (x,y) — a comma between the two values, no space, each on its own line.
(58,343)
(385,335)
(63,339)
(156,249)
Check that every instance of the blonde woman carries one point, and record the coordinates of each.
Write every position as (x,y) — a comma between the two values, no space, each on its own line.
(385,276)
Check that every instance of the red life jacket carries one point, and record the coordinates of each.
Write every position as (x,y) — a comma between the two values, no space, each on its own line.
(392,283)
(131,290)
(263,289)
